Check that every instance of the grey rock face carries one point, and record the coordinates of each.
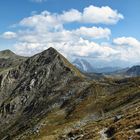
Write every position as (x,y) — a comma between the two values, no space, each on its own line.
(32,89)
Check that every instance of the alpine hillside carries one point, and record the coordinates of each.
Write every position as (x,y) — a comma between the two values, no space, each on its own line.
(45,97)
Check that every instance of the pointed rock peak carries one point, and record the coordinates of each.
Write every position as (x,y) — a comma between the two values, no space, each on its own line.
(49,54)
(53,59)
(50,51)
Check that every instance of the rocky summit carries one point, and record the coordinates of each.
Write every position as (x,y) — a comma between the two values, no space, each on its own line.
(44,97)
(9,59)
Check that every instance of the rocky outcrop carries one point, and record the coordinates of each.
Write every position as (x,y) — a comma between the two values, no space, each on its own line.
(8,59)
(34,88)
(45,94)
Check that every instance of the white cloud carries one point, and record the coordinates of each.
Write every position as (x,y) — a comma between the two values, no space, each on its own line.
(66,41)
(38,1)
(42,22)
(47,29)
(50,27)
(81,48)
(8,35)
(91,14)
(72,46)
(93,32)
(72,15)
(105,15)
(127,41)
(28,49)
(129,48)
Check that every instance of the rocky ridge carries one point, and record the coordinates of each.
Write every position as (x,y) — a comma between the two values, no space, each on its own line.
(46,97)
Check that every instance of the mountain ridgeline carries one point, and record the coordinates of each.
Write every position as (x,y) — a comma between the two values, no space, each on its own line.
(134,71)
(46,97)
(87,67)
(9,59)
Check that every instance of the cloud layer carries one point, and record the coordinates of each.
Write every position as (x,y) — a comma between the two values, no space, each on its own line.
(91,14)
(41,31)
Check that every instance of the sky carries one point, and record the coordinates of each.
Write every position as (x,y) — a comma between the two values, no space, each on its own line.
(104,32)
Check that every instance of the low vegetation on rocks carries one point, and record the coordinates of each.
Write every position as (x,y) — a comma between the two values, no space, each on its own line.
(45,97)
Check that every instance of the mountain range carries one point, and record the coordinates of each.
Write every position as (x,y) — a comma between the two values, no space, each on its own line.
(9,59)
(45,97)
(87,67)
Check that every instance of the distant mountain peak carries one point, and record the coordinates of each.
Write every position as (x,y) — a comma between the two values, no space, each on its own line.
(83,65)
(134,71)
(6,53)
(9,59)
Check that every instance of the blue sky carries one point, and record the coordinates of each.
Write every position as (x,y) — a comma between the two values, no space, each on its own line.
(109,41)
(13,11)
